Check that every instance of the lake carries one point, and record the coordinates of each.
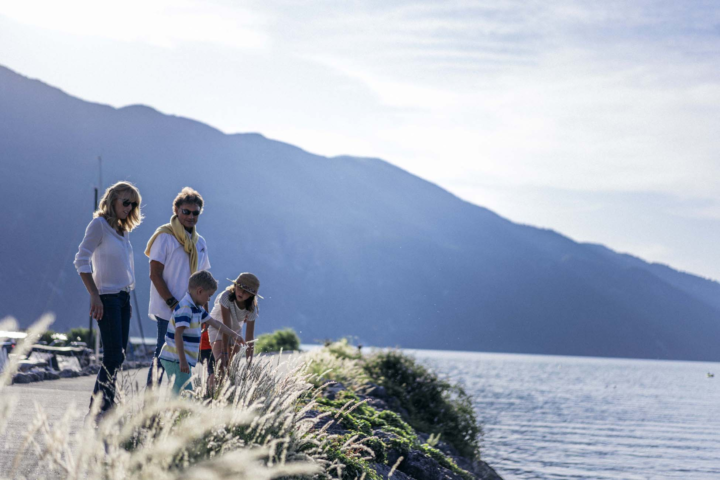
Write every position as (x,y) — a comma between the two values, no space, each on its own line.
(552,418)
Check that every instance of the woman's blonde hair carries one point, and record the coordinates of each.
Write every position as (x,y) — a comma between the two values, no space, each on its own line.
(106,207)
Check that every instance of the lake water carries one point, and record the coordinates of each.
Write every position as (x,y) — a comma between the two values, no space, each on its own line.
(552,418)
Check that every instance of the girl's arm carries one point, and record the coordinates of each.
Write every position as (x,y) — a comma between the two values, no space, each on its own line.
(249,337)
(226,322)
(225,330)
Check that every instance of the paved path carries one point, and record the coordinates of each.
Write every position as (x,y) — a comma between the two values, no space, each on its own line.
(55,397)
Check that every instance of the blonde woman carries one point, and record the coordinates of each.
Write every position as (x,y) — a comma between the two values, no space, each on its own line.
(235,307)
(105,264)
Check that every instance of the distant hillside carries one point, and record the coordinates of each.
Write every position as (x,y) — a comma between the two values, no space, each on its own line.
(343,246)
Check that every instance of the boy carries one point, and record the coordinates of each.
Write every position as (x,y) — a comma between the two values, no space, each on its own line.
(182,341)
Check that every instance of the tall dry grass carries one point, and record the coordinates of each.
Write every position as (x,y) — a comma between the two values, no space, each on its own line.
(253,425)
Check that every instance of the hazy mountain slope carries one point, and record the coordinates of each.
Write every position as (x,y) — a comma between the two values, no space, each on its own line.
(343,246)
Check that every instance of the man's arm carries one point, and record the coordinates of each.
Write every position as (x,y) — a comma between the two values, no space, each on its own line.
(180,347)
(156,277)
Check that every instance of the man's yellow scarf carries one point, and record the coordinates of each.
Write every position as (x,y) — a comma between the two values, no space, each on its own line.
(176,229)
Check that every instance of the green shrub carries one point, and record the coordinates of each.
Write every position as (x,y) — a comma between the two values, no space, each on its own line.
(83,334)
(433,405)
(286,340)
(343,349)
(325,366)
(47,336)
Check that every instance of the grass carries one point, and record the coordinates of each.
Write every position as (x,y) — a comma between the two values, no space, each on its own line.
(256,423)
(253,426)
(285,340)
(433,405)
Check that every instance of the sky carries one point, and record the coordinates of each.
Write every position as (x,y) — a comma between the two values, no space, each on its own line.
(599,120)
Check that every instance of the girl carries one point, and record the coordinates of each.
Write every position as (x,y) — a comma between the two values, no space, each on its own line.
(236,306)
(106,266)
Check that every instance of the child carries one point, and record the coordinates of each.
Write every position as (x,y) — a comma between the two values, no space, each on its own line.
(182,340)
(235,307)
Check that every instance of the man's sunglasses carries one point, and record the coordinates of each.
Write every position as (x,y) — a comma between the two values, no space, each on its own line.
(127,203)
(195,213)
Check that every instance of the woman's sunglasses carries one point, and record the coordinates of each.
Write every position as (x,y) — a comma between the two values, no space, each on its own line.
(195,213)
(127,203)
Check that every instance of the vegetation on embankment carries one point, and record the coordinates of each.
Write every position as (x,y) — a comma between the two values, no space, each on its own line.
(272,418)
(397,406)
(285,340)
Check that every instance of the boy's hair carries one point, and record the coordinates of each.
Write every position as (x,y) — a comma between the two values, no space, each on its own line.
(203,279)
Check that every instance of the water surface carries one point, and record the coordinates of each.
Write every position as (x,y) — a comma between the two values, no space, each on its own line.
(553,418)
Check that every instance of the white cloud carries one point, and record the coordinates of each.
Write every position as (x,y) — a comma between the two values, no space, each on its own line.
(163,23)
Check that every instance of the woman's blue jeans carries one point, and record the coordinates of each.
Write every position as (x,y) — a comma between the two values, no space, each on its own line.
(114,330)
(162,326)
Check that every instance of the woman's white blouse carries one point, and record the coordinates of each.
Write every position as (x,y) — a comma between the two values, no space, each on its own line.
(108,256)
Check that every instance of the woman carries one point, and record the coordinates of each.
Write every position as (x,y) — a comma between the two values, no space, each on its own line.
(236,306)
(105,264)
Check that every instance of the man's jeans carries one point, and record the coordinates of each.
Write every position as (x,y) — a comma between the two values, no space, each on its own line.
(162,326)
(114,330)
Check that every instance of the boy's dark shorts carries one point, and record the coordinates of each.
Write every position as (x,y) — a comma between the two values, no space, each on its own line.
(208,358)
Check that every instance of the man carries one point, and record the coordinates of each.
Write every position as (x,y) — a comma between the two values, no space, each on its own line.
(176,251)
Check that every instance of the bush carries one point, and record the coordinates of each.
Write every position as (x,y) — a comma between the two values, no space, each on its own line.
(343,349)
(47,336)
(83,334)
(286,340)
(433,405)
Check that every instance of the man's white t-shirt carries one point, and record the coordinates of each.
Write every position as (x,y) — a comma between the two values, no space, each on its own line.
(168,251)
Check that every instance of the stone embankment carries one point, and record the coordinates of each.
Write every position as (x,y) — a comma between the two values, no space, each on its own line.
(43,373)
(419,461)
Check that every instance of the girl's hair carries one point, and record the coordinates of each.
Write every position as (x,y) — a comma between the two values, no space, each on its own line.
(250,304)
(106,207)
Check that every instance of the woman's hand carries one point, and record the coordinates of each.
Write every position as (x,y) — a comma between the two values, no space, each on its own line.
(96,307)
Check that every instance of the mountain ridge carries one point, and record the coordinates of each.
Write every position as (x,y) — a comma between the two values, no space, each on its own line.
(343,245)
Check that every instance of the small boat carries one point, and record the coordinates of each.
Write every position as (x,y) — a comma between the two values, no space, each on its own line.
(710,375)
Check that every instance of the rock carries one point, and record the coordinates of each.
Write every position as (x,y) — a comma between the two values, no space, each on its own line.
(333,389)
(67,373)
(384,471)
(486,472)
(22,378)
(392,454)
(51,375)
(396,407)
(423,467)
(373,390)
(91,370)
(376,403)
(334,429)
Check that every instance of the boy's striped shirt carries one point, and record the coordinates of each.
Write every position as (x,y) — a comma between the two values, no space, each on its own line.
(186,315)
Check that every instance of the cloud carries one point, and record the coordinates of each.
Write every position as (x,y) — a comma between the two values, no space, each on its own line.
(161,23)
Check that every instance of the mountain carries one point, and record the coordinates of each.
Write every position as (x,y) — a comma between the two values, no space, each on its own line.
(343,246)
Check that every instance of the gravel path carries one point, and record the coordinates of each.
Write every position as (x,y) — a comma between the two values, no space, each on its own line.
(55,397)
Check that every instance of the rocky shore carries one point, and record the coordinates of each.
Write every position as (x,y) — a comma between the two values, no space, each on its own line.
(397,448)
(43,373)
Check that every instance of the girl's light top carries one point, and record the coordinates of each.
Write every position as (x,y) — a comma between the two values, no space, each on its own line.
(108,256)
(238,316)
